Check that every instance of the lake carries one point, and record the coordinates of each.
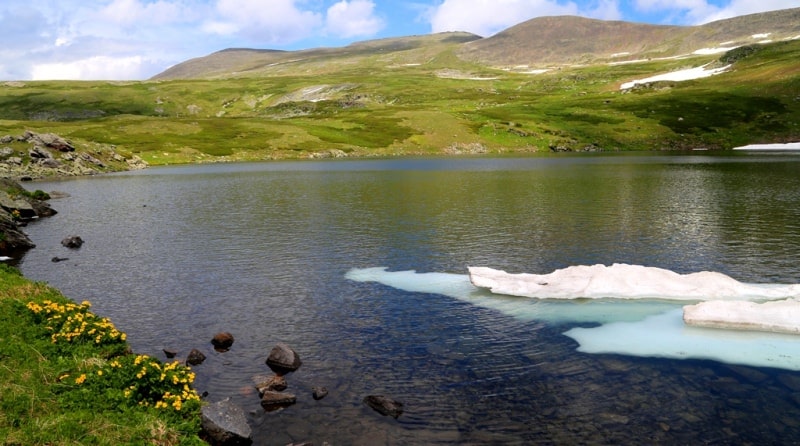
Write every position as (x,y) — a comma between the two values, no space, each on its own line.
(267,251)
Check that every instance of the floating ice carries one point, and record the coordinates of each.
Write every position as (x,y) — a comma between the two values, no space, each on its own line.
(666,336)
(623,281)
(630,326)
(458,286)
(787,146)
(779,317)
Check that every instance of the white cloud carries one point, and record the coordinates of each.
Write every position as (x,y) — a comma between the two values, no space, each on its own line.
(99,67)
(131,12)
(273,22)
(353,18)
(487,17)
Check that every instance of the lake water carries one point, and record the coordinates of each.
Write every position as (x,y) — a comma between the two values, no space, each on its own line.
(174,255)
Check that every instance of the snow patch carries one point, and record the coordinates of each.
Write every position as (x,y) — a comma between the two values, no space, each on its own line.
(682,75)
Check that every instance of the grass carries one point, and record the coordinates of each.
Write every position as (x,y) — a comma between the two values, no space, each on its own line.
(67,378)
(420,101)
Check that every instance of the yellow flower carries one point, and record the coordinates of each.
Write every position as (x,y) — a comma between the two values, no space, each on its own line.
(80,379)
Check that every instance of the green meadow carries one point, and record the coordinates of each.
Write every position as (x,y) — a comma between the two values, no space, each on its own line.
(421,101)
(67,377)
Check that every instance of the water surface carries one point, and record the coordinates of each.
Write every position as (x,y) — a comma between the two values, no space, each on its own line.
(176,254)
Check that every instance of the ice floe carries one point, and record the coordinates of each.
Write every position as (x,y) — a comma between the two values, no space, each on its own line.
(786,146)
(622,281)
(779,317)
(651,324)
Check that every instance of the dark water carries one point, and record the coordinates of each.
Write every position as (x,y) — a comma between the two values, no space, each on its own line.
(174,255)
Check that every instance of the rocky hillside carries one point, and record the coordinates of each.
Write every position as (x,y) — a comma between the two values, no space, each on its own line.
(40,155)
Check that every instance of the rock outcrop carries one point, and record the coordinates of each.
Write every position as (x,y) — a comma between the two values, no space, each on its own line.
(40,155)
(17,207)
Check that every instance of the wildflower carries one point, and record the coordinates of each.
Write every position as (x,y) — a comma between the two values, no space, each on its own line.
(80,379)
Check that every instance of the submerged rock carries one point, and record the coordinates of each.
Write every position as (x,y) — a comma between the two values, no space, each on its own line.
(275,383)
(319,393)
(384,405)
(272,400)
(226,424)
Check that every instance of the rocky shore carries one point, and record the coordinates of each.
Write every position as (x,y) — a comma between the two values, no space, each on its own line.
(18,206)
(33,156)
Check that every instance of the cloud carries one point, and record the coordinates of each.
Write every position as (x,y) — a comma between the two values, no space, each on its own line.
(354,18)
(98,67)
(487,17)
(276,22)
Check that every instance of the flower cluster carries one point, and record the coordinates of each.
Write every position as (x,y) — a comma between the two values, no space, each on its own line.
(135,379)
(70,322)
(158,384)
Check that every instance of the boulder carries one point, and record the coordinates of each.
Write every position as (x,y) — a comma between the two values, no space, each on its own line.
(272,400)
(222,341)
(72,242)
(384,405)
(225,424)
(196,357)
(282,359)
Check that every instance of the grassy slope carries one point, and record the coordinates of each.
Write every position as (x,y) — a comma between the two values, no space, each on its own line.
(40,404)
(418,100)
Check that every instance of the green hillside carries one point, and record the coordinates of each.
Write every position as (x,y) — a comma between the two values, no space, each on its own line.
(417,97)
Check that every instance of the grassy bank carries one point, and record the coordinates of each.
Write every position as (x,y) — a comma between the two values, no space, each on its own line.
(384,105)
(67,377)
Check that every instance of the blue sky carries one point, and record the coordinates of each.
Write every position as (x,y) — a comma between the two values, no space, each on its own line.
(136,39)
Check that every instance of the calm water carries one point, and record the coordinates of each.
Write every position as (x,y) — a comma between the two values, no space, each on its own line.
(174,255)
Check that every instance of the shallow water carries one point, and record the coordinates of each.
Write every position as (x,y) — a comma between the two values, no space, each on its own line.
(176,254)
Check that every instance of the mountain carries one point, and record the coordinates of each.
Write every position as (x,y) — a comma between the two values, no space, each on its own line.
(568,39)
(539,42)
(239,61)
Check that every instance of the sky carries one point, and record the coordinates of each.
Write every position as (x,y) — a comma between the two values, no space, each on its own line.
(136,39)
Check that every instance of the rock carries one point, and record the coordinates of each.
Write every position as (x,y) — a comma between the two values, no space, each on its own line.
(196,357)
(40,153)
(170,353)
(384,405)
(272,400)
(72,242)
(282,359)
(274,383)
(319,393)
(225,424)
(50,140)
(222,341)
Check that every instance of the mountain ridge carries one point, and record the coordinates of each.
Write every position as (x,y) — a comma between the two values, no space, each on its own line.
(539,42)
